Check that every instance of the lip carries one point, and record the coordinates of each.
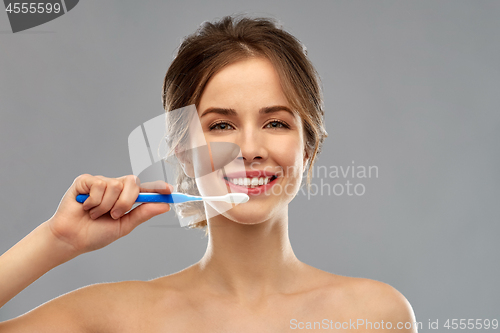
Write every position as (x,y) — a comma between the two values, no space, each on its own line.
(251,174)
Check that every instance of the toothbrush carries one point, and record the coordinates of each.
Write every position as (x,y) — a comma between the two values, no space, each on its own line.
(180,197)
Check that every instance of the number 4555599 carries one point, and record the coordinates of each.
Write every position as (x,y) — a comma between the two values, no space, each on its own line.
(41,7)
(471,324)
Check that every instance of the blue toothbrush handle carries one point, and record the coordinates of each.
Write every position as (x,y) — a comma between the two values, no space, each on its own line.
(153,197)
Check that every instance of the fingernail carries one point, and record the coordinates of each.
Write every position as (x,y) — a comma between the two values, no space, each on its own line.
(116,214)
(170,187)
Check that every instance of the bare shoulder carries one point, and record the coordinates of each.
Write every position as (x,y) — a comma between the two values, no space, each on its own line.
(94,308)
(381,297)
(373,301)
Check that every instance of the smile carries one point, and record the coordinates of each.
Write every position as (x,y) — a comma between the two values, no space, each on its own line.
(255,182)
(251,182)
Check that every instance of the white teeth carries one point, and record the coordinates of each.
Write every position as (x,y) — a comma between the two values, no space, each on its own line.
(250,182)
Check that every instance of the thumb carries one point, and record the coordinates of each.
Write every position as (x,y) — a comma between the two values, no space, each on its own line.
(141,214)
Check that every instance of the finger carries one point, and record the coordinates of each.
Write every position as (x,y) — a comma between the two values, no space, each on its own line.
(88,184)
(157,187)
(136,179)
(113,189)
(127,196)
(141,214)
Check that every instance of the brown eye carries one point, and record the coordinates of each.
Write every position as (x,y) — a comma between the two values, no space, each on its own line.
(275,124)
(222,126)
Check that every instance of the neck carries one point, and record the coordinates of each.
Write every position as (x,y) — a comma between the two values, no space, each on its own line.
(249,261)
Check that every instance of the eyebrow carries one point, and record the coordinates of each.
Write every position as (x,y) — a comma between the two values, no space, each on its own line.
(232,112)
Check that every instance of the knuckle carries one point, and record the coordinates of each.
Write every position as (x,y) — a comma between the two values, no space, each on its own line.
(100,183)
(102,207)
(93,203)
(123,203)
(95,200)
(132,179)
(82,177)
(120,206)
(116,184)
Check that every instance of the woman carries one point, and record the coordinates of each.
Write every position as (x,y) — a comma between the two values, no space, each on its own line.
(252,85)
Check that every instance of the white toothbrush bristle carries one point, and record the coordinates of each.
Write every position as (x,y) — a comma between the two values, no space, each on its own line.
(237,198)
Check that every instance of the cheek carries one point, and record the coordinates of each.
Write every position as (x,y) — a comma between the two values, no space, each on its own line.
(289,154)
(213,185)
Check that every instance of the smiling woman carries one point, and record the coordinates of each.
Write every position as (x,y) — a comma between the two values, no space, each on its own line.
(252,85)
(285,91)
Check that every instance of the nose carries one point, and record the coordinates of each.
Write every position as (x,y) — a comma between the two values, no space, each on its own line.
(252,147)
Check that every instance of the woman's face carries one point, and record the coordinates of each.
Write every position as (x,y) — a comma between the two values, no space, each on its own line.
(245,104)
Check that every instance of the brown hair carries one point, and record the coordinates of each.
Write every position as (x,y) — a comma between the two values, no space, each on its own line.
(217,44)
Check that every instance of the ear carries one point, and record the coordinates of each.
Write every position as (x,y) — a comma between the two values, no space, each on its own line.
(306,159)
(185,161)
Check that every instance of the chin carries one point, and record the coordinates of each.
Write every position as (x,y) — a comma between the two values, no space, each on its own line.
(247,219)
(254,212)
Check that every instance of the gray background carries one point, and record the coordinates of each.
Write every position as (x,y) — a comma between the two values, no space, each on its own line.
(411,87)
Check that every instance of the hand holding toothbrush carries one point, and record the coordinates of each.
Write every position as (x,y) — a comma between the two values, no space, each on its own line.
(101,219)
